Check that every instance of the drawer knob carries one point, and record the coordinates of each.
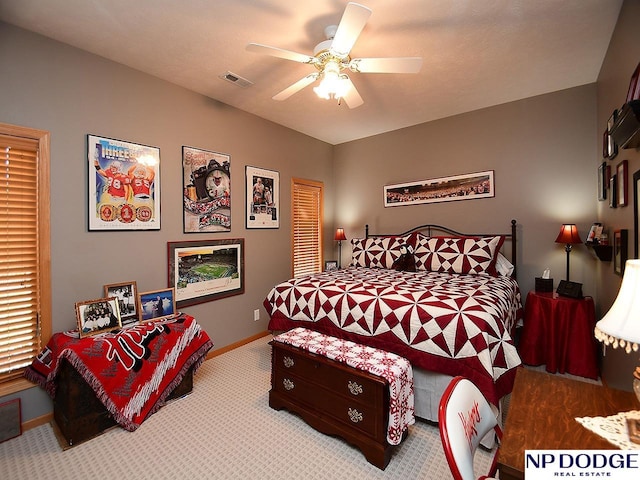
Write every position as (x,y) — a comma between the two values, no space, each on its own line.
(355,415)
(288,384)
(288,362)
(354,388)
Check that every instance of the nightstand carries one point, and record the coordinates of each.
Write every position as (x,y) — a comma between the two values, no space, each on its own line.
(558,333)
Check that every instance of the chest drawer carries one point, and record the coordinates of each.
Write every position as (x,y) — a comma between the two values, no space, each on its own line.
(333,376)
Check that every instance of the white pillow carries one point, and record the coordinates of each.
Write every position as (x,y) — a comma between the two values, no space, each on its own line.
(504,266)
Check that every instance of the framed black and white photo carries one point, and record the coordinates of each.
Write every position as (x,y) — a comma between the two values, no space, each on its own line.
(622,180)
(636,214)
(157,304)
(124,185)
(202,271)
(206,191)
(330,265)
(470,186)
(609,147)
(262,198)
(613,191)
(97,316)
(619,251)
(604,171)
(127,295)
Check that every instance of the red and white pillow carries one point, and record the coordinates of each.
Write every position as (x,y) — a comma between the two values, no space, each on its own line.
(457,255)
(377,252)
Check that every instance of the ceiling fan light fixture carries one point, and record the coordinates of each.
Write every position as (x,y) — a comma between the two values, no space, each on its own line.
(332,84)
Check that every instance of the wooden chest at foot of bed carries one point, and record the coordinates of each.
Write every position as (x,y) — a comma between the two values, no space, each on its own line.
(333,398)
(79,415)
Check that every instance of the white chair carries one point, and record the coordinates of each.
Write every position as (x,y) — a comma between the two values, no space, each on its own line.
(464,418)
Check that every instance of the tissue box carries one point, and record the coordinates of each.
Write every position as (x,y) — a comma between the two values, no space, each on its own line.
(544,284)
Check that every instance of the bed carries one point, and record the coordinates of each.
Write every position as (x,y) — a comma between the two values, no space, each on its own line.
(447,301)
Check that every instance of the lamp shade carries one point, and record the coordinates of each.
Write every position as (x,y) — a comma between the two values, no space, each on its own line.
(340,235)
(568,234)
(621,325)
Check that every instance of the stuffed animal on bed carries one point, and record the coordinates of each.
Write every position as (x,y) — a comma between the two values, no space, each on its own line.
(405,262)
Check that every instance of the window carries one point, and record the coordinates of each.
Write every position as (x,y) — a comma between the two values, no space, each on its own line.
(306,226)
(25,287)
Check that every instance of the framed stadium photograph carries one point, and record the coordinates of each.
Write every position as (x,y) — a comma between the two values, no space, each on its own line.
(206,270)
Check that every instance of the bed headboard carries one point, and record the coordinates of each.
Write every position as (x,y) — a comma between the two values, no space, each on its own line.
(430,229)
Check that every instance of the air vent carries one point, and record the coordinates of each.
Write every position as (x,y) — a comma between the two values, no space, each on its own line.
(235,79)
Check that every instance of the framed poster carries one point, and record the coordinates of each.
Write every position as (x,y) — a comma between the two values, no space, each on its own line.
(470,186)
(262,198)
(157,305)
(127,295)
(202,271)
(206,187)
(124,185)
(97,316)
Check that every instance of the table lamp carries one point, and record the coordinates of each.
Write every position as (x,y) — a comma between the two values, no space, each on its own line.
(339,238)
(569,236)
(620,327)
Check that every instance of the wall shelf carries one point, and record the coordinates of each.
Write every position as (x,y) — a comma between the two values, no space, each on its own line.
(626,129)
(603,252)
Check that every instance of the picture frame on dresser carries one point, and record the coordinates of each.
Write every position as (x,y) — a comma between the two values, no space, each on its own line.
(622,180)
(619,250)
(157,304)
(636,214)
(127,295)
(98,316)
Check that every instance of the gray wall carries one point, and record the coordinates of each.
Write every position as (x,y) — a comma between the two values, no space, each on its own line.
(542,152)
(620,62)
(71,93)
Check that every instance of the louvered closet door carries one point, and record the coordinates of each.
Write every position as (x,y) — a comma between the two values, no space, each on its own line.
(307,200)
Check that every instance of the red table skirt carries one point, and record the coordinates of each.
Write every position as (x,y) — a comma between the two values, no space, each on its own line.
(558,333)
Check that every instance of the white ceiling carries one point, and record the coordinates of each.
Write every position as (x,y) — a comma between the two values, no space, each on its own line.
(477,53)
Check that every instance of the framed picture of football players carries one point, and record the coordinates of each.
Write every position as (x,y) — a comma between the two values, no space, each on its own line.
(206,193)
(263,198)
(124,185)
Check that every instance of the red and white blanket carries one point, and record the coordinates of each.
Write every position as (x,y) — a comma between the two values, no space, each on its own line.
(393,368)
(449,323)
(131,371)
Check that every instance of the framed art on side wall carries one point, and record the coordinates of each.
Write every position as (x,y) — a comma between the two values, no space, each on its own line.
(619,251)
(263,198)
(201,271)
(636,214)
(124,185)
(604,171)
(206,191)
(622,180)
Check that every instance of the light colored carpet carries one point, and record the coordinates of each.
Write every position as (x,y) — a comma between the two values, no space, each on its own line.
(223,430)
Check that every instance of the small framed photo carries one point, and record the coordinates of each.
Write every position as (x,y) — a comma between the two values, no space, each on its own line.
(127,295)
(604,171)
(263,198)
(622,179)
(634,85)
(98,316)
(619,251)
(157,304)
(610,149)
(613,197)
(330,265)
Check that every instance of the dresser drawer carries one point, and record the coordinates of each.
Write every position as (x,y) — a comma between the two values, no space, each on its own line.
(334,376)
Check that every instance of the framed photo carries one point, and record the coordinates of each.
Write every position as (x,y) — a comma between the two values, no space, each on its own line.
(610,149)
(202,271)
(330,265)
(619,251)
(98,316)
(636,214)
(157,304)
(634,85)
(262,198)
(604,171)
(622,179)
(127,295)
(470,186)
(613,196)
(206,187)
(124,185)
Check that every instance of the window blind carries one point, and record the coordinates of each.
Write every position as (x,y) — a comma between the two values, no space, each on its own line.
(19,329)
(307,199)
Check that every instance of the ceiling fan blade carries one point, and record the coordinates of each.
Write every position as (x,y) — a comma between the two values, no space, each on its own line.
(386,65)
(352,97)
(296,87)
(353,20)
(280,53)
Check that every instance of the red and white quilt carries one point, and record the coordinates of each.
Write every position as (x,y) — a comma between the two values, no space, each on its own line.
(454,324)
(393,368)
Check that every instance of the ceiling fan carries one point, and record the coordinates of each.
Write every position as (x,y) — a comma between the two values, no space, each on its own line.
(331,59)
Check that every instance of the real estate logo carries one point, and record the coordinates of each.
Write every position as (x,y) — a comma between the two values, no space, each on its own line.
(610,464)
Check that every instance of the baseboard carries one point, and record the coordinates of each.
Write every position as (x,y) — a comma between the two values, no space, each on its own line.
(238,344)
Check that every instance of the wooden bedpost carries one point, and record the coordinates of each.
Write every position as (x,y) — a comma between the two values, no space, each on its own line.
(513,247)
(366,231)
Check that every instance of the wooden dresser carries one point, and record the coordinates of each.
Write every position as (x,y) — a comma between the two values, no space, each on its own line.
(333,398)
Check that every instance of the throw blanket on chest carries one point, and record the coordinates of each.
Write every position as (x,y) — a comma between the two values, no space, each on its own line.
(131,371)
